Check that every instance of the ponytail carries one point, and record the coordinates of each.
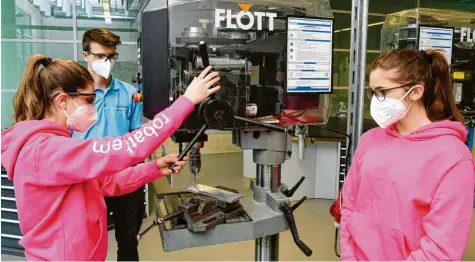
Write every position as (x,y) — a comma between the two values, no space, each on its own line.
(439,98)
(29,99)
(38,85)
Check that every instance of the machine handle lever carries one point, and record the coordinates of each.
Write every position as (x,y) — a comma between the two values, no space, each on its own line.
(296,205)
(289,217)
(290,192)
(189,146)
(159,221)
(265,125)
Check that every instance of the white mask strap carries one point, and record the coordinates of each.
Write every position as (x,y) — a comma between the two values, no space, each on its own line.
(407,93)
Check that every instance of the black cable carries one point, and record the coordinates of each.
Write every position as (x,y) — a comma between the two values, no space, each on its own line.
(347,159)
(335,245)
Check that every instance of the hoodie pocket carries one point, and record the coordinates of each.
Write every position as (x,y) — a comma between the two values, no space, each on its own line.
(376,241)
(95,228)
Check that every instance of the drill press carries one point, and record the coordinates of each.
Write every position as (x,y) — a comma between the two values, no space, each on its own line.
(246,51)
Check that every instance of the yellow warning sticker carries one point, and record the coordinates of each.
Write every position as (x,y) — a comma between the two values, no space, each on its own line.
(459,75)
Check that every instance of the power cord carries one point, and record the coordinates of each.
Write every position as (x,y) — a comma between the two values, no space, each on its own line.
(335,244)
(347,162)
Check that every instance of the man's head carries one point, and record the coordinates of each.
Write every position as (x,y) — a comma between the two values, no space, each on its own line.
(99,47)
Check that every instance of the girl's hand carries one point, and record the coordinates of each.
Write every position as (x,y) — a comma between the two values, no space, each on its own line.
(199,89)
(164,162)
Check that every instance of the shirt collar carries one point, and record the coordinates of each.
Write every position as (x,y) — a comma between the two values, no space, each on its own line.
(112,86)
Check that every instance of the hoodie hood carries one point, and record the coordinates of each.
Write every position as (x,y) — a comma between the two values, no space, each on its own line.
(15,137)
(433,130)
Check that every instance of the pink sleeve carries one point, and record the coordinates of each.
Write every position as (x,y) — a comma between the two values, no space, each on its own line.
(350,189)
(129,179)
(64,161)
(447,225)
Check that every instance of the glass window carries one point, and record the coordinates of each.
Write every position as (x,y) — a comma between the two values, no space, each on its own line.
(7,109)
(14,60)
(453,5)
(387,7)
(120,17)
(37,19)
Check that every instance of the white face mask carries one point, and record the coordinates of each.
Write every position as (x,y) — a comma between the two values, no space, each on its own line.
(389,111)
(82,118)
(102,68)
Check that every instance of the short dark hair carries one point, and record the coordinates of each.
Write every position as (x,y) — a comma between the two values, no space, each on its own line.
(101,36)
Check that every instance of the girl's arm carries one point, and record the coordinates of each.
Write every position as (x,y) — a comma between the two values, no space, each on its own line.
(447,225)
(130,179)
(64,161)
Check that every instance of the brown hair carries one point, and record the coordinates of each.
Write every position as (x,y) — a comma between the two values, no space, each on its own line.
(38,86)
(429,68)
(101,36)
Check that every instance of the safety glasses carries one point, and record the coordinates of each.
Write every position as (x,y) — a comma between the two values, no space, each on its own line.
(380,92)
(112,57)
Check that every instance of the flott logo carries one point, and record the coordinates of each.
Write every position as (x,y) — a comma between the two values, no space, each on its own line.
(221,15)
(467,35)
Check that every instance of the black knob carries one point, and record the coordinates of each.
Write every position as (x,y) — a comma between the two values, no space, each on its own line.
(305,249)
(290,193)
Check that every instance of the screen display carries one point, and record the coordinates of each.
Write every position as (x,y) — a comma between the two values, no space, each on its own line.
(437,38)
(309,55)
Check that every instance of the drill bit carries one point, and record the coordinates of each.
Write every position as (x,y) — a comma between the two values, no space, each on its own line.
(195,161)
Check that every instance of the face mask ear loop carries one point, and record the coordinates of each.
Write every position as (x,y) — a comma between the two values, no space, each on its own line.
(67,116)
(411,106)
(407,93)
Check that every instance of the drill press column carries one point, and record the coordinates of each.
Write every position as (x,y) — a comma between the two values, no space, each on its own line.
(267,178)
(270,150)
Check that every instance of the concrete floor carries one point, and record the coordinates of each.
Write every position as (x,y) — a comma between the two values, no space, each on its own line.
(313,221)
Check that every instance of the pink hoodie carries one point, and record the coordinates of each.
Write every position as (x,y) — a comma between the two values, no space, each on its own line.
(60,181)
(409,197)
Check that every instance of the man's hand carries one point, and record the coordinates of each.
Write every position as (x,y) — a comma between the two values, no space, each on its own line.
(164,162)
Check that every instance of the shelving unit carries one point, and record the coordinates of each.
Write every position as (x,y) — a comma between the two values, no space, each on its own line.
(10,233)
